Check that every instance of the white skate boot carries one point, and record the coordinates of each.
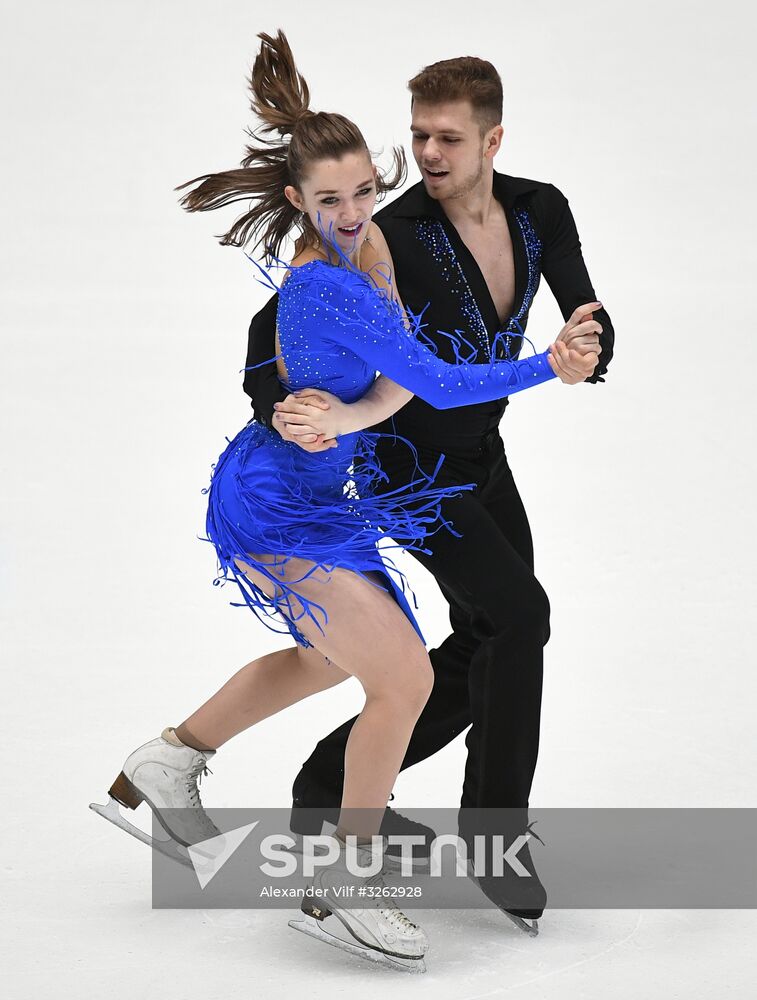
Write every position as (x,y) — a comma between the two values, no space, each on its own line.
(381,932)
(164,774)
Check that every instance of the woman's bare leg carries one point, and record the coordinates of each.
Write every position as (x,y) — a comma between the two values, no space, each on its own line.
(260,689)
(369,636)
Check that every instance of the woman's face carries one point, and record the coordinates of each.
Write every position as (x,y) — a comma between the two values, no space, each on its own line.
(338,196)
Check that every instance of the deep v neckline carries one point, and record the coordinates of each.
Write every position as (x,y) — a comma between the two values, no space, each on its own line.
(475,276)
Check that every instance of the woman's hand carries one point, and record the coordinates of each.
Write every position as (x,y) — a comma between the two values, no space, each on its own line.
(308,442)
(312,417)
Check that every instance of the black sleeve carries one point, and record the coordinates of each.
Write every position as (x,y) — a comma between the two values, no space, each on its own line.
(262,384)
(565,271)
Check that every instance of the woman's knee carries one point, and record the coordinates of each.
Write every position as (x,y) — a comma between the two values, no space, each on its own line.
(422,682)
(407,687)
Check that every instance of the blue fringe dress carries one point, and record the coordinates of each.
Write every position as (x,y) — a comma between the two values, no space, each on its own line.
(269,500)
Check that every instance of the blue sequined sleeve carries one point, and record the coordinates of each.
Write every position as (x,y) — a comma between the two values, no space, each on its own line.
(354,315)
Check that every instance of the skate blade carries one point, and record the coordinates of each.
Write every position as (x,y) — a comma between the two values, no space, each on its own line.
(311,927)
(532,928)
(167,846)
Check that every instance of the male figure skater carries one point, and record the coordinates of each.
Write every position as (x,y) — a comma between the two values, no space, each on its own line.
(471,243)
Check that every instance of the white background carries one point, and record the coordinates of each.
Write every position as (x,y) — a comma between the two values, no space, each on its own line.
(123,333)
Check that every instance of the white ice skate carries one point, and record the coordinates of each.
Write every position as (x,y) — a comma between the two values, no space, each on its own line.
(164,774)
(379,930)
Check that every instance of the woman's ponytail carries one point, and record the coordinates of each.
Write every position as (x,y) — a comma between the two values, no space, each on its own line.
(280,99)
(280,95)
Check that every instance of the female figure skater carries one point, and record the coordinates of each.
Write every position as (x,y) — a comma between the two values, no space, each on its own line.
(298,532)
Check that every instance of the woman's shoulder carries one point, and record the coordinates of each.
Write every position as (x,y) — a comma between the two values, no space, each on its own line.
(311,275)
(301,260)
(316,270)
(303,271)
(306,256)
(316,282)
(377,241)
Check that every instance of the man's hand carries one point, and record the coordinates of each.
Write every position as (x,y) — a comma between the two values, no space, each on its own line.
(571,367)
(304,418)
(575,353)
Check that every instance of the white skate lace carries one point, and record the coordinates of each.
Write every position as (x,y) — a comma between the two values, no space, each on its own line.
(196,774)
(389,909)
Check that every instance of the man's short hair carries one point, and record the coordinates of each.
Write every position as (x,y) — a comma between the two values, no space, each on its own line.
(466,78)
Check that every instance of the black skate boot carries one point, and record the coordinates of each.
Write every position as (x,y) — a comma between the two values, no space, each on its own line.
(517,891)
(313,806)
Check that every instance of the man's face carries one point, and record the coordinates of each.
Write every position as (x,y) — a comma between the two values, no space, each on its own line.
(449,149)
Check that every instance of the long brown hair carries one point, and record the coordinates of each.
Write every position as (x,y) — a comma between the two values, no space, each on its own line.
(281,99)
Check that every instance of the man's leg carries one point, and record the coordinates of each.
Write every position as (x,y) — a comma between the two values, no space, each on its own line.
(506,667)
(450,713)
(495,601)
(505,683)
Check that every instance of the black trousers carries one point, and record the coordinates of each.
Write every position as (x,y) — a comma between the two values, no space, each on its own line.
(488,672)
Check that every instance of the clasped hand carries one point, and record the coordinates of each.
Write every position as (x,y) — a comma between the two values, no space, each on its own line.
(314,418)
